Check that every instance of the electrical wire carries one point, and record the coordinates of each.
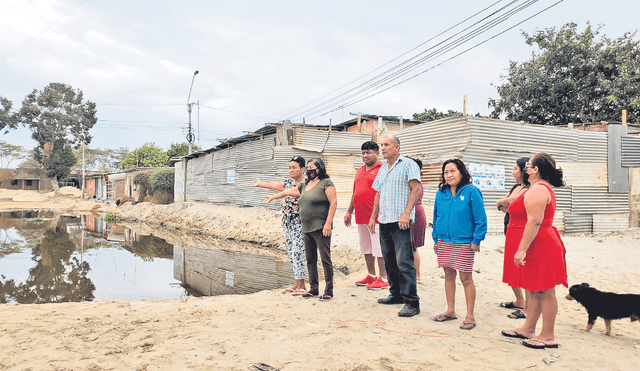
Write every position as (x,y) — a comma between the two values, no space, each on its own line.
(403,68)
(394,59)
(43,31)
(446,60)
(384,80)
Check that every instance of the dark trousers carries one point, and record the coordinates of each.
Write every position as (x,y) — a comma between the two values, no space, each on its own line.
(397,252)
(315,242)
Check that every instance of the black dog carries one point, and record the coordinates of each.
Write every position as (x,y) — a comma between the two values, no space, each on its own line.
(607,305)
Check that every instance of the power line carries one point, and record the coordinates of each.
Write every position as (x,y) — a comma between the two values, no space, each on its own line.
(43,31)
(396,71)
(446,60)
(367,89)
(393,75)
(394,59)
(239,113)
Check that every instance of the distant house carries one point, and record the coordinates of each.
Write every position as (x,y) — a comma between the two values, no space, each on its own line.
(24,178)
(119,185)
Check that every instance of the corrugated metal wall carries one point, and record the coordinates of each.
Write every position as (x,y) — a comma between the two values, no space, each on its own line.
(264,159)
(631,151)
(582,156)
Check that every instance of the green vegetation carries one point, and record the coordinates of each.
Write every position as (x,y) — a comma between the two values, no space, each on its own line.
(573,78)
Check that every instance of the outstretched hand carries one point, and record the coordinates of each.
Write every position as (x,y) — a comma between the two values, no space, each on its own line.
(256,183)
(267,199)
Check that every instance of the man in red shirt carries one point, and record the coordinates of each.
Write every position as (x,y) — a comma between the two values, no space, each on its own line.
(362,201)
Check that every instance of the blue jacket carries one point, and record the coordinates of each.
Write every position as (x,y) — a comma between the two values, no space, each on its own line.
(461,218)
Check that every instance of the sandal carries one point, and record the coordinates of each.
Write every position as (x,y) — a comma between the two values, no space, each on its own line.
(509,305)
(444,318)
(326,297)
(467,325)
(309,294)
(298,292)
(288,290)
(516,315)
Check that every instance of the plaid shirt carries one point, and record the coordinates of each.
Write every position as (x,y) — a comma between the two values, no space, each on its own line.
(394,189)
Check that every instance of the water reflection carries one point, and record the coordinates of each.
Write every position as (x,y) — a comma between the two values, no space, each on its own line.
(47,258)
(221,272)
(57,276)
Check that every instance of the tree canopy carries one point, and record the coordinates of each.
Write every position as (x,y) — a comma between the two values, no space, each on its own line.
(58,118)
(97,159)
(10,153)
(575,77)
(178,150)
(146,156)
(7,118)
(433,114)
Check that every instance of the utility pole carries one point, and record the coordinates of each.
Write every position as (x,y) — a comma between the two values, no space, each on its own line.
(190,136)
(83,171)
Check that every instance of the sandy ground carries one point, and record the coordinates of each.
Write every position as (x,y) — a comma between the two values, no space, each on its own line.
(352,332)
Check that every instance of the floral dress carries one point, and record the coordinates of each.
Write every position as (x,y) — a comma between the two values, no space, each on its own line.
(292,227)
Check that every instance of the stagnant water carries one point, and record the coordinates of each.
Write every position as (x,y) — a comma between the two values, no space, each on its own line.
(45,258)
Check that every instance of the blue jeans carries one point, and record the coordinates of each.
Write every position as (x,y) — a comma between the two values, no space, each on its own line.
(398,262)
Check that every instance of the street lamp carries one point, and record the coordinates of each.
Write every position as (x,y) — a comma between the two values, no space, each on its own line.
(190,136)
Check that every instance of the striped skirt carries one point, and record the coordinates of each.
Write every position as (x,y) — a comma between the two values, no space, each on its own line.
(458,256)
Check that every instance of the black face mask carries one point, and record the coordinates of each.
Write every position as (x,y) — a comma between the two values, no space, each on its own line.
(312,174)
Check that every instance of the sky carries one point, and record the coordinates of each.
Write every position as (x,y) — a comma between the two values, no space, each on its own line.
(266,61)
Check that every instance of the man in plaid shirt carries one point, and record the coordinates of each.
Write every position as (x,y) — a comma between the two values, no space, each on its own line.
(398,186)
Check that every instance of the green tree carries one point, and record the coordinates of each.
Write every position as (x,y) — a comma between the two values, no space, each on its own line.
(58,118)
(179,150)
(10,153)
(146,156)
(7,118)
(97,159)
(575,77)
(59,161)
(433,114)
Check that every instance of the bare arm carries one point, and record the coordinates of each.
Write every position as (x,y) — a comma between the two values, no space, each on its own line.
(333,205)
(294,192)
(347,215)
(276,186)
(405,219)
(374,213)
(503,204)
(535,201)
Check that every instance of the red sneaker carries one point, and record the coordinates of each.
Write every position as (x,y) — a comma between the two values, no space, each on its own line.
(366,281)
(379,284)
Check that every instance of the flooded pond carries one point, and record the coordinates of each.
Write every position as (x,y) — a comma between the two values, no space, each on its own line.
(47,258)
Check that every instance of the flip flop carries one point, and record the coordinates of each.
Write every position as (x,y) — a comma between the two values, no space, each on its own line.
(326,297)
(298,292)
(443,318)
(288,290)
(309,294)
(509,305)
(540,344)
(513,334)
(464,325)
(516,315)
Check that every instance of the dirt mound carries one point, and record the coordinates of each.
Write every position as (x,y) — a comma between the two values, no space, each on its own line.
(70,191)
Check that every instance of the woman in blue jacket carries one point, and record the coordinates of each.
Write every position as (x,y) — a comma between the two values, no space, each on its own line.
(459,224)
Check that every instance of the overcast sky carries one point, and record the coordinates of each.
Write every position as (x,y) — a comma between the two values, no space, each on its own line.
(262,61)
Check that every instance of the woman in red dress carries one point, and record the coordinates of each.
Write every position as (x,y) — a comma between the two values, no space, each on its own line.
(541,254)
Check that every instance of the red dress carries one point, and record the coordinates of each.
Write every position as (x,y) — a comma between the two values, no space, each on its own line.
(544,266)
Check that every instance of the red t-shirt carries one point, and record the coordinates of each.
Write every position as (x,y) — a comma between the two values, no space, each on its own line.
(363,194)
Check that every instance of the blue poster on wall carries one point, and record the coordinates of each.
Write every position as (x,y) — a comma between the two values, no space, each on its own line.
(487,176)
